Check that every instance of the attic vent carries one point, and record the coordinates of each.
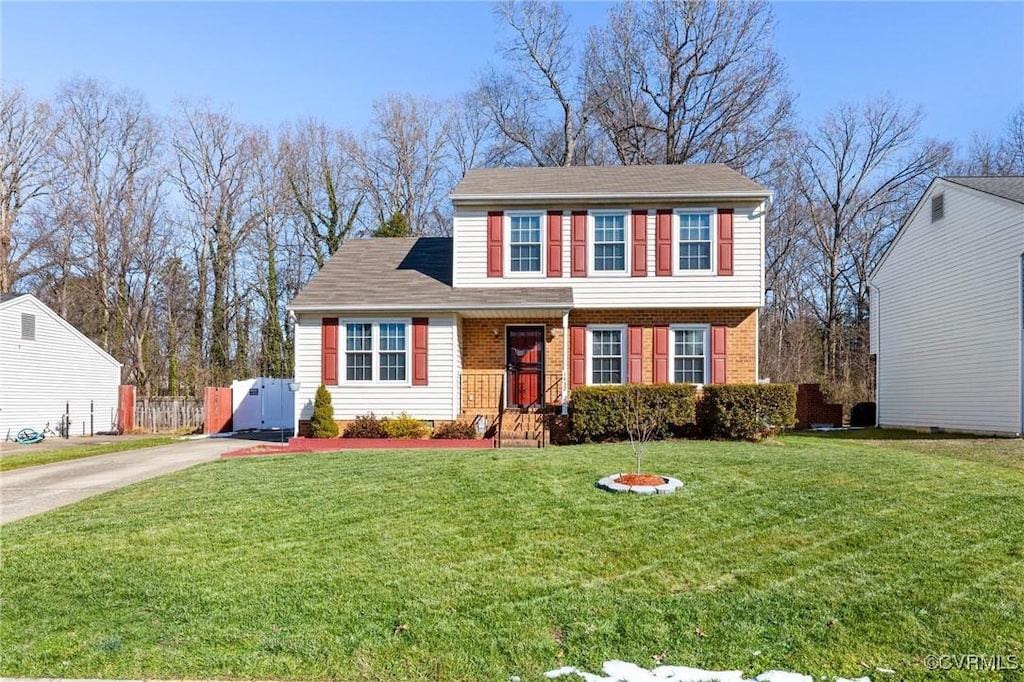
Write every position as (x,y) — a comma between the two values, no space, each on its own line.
(28,327)
(938,207)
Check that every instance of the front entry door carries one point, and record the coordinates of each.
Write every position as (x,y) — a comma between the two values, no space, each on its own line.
(524,358)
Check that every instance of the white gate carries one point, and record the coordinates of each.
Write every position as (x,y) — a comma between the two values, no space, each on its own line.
(262,403)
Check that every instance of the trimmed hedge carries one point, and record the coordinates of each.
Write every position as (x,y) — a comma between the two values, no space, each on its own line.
(746,411)
(598,411)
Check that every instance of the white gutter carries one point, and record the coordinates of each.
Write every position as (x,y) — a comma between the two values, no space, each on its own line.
(605,197)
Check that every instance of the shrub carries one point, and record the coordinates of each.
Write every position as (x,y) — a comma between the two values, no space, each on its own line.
(863,414)
(600,412)
(365,426)
(322,424)
(746,411)
(404,426)
(455,430)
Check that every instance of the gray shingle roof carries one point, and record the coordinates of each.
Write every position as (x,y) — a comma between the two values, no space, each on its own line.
(7,297)
(1007,186)
(409,274)
(606,182)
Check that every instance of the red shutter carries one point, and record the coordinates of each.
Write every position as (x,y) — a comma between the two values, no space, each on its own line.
(663,243)
(495,228)
(661,355)
(554,243)
(635,350)
(579,244)
(725,241)
(329,351)
(577,356)
(718,353)
(639,243)
(420,325)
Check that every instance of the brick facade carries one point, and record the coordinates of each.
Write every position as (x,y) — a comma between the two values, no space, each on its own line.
(483,347)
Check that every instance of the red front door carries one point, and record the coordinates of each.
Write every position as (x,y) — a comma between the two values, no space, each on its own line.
(524,357)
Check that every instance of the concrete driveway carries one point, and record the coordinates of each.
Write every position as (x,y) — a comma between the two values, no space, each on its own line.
(33,490)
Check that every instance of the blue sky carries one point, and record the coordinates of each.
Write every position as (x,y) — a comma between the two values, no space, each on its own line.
(963,63)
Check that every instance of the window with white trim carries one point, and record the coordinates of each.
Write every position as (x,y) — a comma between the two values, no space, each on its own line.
(694,240)
(689,355)
(607,355)
(525,243)
(376,351)
(609,242)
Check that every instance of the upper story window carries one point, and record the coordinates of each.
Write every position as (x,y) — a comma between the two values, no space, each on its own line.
(376,349)
(689,355)
(607,355)
(694,240)
(609,242)
(524,243)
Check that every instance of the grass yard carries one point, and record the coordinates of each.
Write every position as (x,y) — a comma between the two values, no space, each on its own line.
(26,456)
(827,555)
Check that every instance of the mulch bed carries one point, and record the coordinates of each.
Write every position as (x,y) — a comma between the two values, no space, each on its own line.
(640,479)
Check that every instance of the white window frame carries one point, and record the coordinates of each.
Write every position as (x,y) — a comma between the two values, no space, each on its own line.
(627,234)
(624,336)
(375,351)
(507,241)
(712,233)
(672,329)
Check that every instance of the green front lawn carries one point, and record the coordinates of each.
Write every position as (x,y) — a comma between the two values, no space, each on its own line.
(30,455)
(823,554)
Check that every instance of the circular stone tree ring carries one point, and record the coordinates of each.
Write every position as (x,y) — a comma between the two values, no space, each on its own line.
(669,486)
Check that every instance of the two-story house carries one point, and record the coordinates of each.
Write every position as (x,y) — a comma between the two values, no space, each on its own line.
(553,278)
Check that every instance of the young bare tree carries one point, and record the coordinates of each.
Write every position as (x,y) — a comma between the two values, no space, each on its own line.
(537,102)
(323,182)
(404,161)
(856,176)
(26,132)
(672,81)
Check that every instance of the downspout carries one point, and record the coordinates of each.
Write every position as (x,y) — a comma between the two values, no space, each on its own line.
(565,362)
(1020,344)
(878,350)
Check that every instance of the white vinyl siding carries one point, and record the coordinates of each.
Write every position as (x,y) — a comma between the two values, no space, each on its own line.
(611,290)
(436,400)
(947,316)
(58,368)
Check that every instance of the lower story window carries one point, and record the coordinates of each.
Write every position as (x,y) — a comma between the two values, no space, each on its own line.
(606,356)
(690,355)
(376,349)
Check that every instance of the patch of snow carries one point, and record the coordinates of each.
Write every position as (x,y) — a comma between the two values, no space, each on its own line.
(622,671)
(782,676)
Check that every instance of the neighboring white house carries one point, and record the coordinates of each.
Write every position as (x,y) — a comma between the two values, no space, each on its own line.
(46,366)
(946,310)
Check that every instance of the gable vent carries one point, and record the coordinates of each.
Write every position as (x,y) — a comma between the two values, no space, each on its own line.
(28,327)
(938,207)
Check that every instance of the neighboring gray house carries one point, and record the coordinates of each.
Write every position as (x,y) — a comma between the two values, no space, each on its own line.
(946,310)
(47,366)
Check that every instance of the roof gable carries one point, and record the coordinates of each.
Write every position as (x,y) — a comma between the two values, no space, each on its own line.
(17,300)
(1006,186)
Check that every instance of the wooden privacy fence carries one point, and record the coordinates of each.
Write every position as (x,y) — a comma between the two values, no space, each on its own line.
(168,414)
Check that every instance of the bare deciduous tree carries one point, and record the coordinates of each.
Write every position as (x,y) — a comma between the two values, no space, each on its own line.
(25,136)
(1003,155)
(323,182)
(403,159)
(856,176)
(215,157)
(537,104)
(688,82)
